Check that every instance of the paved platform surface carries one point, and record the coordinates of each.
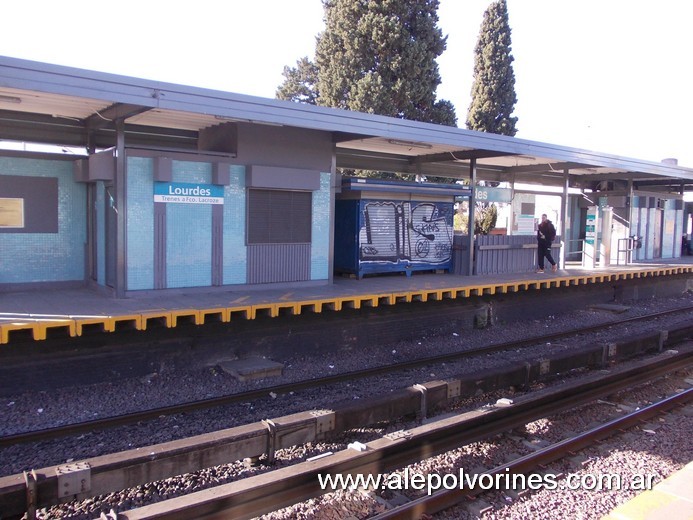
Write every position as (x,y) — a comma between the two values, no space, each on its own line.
(671,499)
(36,312)
(39,311)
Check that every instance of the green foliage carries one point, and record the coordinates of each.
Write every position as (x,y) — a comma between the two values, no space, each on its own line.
(380,57)
(377,57)
(485,217)
(460,222)
(300,83)
(493,90)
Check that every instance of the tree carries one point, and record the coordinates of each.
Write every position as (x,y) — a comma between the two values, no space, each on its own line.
(375,57)
(485,217)
(300,83)
(493,90)
(493,93)
(380,57)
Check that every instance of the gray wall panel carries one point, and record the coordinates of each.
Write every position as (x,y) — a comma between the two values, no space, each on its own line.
(272,263)
(285,147)
(159,245)
(40,200)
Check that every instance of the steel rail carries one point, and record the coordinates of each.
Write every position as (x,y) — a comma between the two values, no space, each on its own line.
(154,413)
(268,492)
(447,498)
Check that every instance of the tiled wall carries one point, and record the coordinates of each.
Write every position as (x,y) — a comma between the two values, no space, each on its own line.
(100,233)
(235,254)
(140,223)
(320,249)
(189,232)
(47,257)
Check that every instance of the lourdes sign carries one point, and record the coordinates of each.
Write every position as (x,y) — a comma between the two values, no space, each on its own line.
(183,193)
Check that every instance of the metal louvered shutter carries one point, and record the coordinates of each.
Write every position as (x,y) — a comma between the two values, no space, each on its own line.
(279,217)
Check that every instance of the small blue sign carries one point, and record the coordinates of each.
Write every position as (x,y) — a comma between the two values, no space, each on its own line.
(184,193)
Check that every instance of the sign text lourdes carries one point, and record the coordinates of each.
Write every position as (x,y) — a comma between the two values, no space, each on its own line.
(183,193)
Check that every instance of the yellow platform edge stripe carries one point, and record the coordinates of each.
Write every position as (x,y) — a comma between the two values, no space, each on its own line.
(39,324)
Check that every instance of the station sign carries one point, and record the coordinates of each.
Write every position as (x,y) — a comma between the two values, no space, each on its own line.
(185,193)
(489,194)
(590,250)
(591,228)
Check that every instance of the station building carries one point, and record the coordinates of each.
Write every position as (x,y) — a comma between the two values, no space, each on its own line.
(162,187)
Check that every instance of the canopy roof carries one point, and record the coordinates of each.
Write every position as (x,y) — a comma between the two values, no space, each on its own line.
(65,106)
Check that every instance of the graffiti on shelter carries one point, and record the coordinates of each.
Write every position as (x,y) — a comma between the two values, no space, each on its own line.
(405,231)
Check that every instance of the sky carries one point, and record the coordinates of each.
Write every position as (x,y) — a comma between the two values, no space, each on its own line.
(611,76)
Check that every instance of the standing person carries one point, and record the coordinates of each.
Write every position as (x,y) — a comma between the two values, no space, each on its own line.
(546,232)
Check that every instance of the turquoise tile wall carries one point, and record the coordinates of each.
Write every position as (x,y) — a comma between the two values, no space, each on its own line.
(41,257)
(47,257)
(100,233)
(320,248)
(235,256)
(189,232)
(140,223)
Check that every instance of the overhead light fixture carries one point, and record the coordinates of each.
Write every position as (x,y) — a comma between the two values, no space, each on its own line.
(10,99)
(239,120)
(234,119)
(409,144)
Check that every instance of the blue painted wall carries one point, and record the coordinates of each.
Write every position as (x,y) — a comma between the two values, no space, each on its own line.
(235,250)
(189,232)
(58,257)
(140,223)
(100,233)
(47,257)
(320,232)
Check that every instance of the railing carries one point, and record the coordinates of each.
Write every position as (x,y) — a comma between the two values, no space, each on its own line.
(495,254)
(632,243)
(570,252)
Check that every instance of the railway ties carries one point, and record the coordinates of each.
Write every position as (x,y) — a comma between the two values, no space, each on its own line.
(288,430)
(268,492)
(600,354)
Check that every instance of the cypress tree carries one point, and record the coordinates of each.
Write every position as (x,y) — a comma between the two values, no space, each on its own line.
(376,57)
(300,83)
(380,57)
(493,90)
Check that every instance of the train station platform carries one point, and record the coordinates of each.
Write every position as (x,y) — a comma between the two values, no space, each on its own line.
(672,499)
(41,313)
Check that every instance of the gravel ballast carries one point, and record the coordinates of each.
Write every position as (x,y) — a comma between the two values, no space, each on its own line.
(178,382)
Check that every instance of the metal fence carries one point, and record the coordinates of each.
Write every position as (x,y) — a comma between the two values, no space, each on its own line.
(495,254)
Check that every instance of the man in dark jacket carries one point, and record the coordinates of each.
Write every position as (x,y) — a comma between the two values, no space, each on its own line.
(546,232)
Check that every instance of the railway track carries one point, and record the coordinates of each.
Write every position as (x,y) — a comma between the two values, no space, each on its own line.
(113,472)
(447,498)
(268,492)
(146,415)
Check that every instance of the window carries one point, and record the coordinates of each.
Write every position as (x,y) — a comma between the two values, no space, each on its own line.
(279,217)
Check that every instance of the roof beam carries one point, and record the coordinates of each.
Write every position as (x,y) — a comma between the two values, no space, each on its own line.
(113,113)
(458,155)
(38,128)
(620,176)
(665,182)
(557,167)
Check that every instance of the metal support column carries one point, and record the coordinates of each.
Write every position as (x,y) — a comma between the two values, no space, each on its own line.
(631,231)
(565,209)
(472,207)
